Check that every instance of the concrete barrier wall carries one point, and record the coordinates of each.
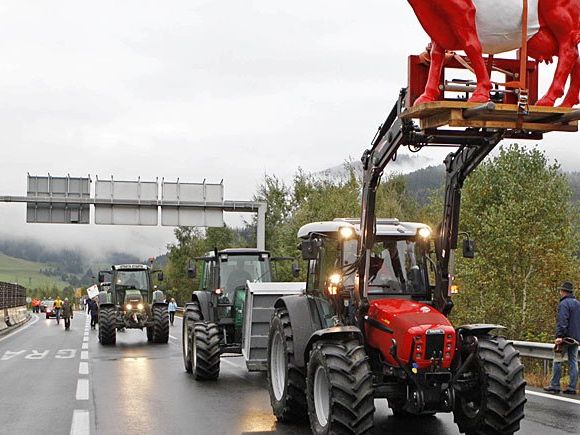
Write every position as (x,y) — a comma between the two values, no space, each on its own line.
(3,324)
(15,316)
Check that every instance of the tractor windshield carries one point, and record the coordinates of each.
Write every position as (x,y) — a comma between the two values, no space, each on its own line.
(237,269)
(127,281)
(397,267)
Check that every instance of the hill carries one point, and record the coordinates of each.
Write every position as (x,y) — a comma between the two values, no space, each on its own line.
(28,273)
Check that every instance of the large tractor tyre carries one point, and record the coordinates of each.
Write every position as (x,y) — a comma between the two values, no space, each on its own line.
(206,351)
(286,381)
(107,320)
(191,315)
(494,401)
(160,324)
(149,334)
(339,388)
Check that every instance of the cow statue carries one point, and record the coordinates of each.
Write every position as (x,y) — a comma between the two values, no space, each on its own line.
(495,26)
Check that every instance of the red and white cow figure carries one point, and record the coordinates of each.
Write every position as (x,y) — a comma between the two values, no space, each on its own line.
(495,26)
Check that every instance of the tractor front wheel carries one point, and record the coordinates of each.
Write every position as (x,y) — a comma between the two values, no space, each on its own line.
(339,388)
(160,323)
(191,315)
(205,355)
(286,381)
(491,394)
(107,328)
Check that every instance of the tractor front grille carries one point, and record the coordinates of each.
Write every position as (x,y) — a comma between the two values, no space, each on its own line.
(434,344)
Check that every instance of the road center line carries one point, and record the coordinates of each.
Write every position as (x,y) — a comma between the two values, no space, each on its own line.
(83,389)
(84,354)
(80,423)
(553,396)
(86,338)
(85,346)
(84,368)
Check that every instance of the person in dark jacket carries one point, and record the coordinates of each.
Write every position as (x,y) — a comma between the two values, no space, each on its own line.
(567,339)
(93,310)
(67,313)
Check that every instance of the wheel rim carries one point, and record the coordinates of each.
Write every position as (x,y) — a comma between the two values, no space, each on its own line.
(278,366)
(185,339)
(321,396)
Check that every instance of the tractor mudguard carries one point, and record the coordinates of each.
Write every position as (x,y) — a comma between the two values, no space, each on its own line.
(334,332)
(304,323)
(478,329)
(203,298)
(158,296)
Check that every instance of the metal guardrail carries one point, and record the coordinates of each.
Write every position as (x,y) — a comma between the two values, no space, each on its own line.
(12,295)
(531,349)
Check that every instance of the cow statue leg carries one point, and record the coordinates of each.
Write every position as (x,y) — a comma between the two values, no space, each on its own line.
(432,89)
(562,18)
(572,96)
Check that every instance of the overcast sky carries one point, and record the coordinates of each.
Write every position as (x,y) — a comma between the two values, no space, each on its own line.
(227,89)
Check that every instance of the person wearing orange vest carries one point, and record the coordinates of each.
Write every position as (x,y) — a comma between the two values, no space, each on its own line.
(57,309)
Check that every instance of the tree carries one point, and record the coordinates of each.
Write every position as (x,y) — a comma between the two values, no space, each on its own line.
(518,208)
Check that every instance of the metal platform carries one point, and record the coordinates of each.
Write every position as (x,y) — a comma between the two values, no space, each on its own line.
(463,114)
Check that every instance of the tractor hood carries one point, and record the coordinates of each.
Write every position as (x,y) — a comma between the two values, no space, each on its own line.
(424,336)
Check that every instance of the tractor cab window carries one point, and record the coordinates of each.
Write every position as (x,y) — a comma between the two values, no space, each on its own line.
(131,281)
(329,261)
(349,256)
(235,270)
(397,267)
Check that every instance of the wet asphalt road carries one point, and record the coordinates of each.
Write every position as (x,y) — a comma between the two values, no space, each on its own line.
(139,388)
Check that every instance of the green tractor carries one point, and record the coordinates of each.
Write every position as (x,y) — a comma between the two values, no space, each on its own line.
(231,311)
(131,302)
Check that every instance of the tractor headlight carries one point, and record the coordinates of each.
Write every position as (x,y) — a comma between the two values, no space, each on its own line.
(140,306)
(334,282)
(424,233)
(129,307)
(346,233)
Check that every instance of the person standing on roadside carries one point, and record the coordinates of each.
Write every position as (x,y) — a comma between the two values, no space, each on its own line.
(57,309)
(567,339)
(67,313)
(93,310)
(172,308)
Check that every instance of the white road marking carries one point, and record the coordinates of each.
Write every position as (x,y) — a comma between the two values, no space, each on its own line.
(66,353)
(85,346)
(36,354)
(84,354)
(9,355)
(83,389)
(80,423)
(22,328)
(86,338)
(553,396)
(84,368)
(172,337)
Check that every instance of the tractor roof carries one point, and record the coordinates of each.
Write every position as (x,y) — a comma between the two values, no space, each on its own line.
(385,227)
(130,267)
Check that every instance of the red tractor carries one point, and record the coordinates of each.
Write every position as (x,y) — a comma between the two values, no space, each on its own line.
(373,322)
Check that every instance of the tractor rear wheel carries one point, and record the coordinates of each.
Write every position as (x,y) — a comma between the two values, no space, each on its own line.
(339,388)
(492,399)
(205,355)
(107,320)
(286,381)
(160,323)
(191,315)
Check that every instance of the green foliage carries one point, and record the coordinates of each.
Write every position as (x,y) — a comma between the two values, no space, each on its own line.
(518,208)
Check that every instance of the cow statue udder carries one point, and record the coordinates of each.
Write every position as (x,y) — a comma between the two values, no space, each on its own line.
(495,26)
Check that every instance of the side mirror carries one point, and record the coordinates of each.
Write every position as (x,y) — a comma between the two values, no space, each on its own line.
(160,276)
(468,248)
(191,271)
(310,249)
(295,270)
(101,276)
